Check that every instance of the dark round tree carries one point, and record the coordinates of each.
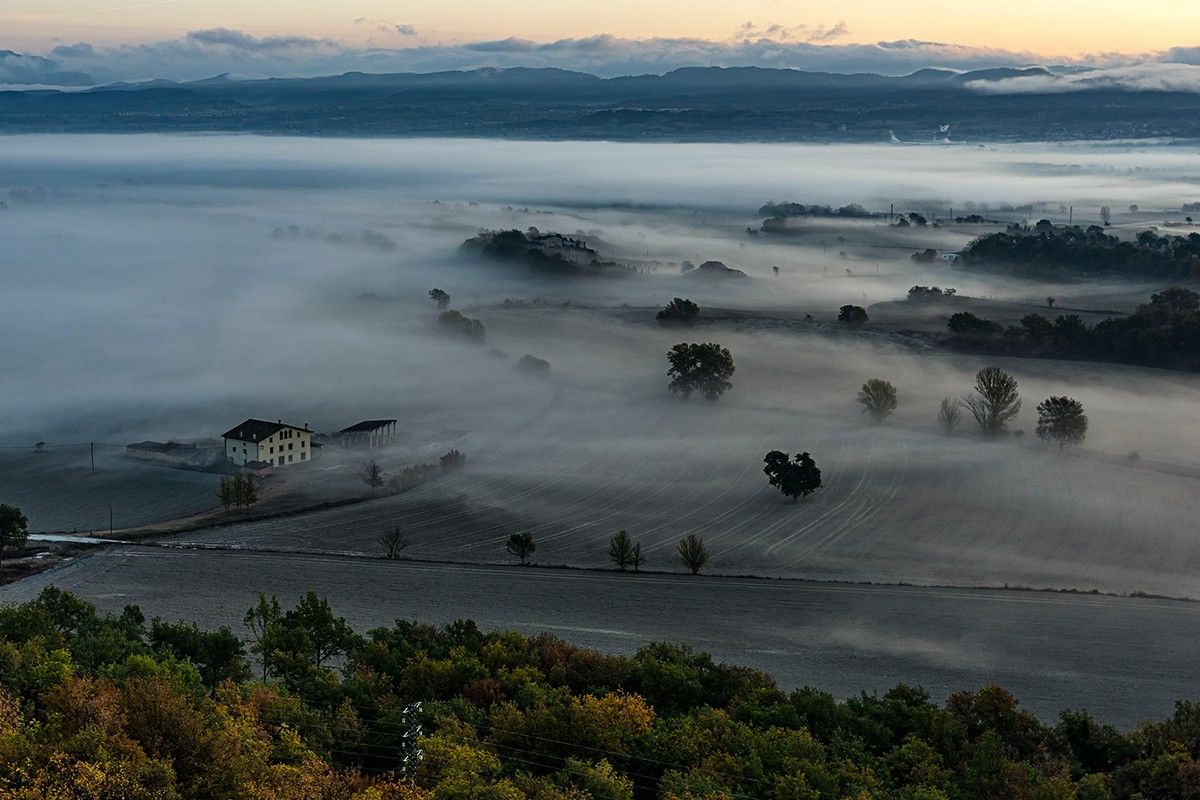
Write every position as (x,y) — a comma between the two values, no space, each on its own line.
(1061,419)
(704,368)
(795,479)
(853,316)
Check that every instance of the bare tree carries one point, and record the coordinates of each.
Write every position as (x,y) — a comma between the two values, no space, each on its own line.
(372,475)
(949,415)
(1061,419)
(995,401)
(393,541)
(693,553)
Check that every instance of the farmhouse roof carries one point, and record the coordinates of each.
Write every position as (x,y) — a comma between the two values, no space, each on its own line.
(368,425)
(255,430)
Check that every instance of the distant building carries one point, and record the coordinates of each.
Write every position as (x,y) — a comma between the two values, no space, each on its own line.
(275,443)
(176,454)
(950,258)
(370,433)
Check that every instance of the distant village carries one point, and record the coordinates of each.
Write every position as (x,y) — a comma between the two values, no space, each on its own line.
(260,446)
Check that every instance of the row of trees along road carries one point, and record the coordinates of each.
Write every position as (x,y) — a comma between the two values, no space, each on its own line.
(994,402)
(623,551)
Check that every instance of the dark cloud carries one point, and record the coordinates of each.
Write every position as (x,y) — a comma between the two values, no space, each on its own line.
(237,40)
(384,26)
(792,33)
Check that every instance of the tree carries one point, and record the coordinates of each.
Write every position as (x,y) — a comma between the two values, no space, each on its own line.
(225,492)
(1037,328)
(245,492)
(1061,419)
(393,541)
(1176,300)
(693,553)
(452,460)
(440,297)
(372,475)
(14,529)
(1050,302)
(704,368)
(1106,215)
(258,620)
(679,310)
(949,415)
(995,401)
(521,546)
(327,636)
(623,552)
(964,323)
(795,479)
(878,398)
(854,316)
(455,322)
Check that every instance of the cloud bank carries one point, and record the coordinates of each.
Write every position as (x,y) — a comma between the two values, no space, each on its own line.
(203,53)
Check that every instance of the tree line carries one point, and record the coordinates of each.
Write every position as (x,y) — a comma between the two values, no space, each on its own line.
(301,706)
(1164,333)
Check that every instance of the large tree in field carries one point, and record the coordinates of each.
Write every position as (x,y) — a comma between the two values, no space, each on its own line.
(948,415)
(704,368)
(853,316)
(795,479)
(995,401)
(624,553)
(692,553)
(1061,419)
(14,529)
(878,398)
(521,547)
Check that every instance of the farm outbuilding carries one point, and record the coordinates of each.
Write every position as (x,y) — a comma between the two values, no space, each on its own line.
(370,433)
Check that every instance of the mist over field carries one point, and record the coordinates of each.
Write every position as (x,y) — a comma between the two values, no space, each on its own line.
(171,286)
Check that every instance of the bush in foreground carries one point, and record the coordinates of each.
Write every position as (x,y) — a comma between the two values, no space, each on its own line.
(99,706)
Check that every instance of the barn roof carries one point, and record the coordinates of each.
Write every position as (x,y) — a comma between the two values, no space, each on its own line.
(255,430)
(368,425)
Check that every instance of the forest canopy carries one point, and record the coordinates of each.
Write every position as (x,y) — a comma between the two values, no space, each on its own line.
(112,706)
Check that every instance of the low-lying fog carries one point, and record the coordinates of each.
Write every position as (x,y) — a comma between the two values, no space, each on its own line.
(171,286)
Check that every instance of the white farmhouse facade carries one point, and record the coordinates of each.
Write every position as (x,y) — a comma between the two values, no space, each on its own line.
(274,443)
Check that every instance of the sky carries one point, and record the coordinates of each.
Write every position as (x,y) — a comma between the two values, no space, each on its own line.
(104,40)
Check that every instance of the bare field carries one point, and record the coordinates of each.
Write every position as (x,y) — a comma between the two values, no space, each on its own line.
(1125,660)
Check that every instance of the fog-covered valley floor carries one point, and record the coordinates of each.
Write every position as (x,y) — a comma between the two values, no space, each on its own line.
(162,286)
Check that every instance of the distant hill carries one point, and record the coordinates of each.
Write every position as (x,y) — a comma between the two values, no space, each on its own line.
(690,104)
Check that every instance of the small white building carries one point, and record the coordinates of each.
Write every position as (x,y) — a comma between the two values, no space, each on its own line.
(274,443)
(949,258)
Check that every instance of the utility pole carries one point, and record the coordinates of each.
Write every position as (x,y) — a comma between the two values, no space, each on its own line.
(110,525)
(1071,216)
(93,446)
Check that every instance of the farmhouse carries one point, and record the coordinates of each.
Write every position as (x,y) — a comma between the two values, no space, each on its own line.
(275,443)
(370,433)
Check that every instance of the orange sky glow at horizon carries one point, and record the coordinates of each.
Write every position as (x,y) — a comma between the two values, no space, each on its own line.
(1066,28)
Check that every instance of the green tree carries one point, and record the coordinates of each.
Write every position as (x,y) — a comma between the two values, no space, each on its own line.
(704,368)
(623,552)
(328,636)
(679,310)
(259,620)
(225,492)
(521,546)
(692,553)
(854,316)
(1061,419)
(245,491)
(795,479)
(14,529)
(878,398)
(1036,328)
(995,401)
